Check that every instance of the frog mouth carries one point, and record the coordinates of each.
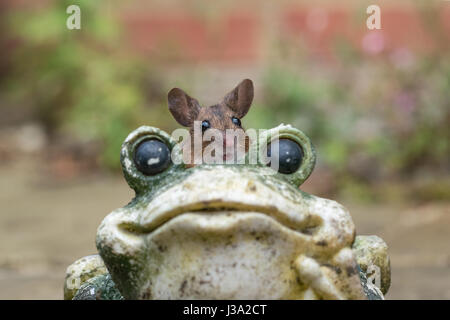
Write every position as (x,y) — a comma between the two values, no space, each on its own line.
(228,191)
(307,226)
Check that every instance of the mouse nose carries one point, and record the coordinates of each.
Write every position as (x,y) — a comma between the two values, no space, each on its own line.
(228,142)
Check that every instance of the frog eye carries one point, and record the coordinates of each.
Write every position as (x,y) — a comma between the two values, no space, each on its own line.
(289,155)
(152,157)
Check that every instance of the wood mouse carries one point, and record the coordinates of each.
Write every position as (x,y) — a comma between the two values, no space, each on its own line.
(222,116)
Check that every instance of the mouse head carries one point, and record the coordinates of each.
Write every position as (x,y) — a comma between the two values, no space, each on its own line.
(221,116)
(224,116)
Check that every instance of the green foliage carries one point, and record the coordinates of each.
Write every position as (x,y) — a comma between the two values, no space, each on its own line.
(384,122)
(78,82)
(370,118)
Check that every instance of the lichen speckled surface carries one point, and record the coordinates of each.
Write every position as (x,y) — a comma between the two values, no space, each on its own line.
(229,232)
(81,271)
(372,250)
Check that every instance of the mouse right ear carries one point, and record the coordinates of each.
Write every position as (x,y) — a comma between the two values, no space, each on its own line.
(240,99)
(183,108)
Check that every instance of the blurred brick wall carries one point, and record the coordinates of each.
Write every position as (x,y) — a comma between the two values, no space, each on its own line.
(234,36)
(245,34)
(244,31)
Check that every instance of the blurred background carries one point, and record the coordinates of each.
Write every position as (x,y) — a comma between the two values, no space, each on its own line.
(376,104)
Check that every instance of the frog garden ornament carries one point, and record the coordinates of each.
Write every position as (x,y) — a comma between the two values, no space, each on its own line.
(236,231)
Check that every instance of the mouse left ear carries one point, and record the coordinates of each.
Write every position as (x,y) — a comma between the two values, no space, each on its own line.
(240,99)
(183,107)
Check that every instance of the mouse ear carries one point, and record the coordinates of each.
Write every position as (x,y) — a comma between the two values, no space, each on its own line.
(240,99)
(183,108)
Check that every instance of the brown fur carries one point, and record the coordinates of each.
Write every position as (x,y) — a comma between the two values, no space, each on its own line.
(236,103)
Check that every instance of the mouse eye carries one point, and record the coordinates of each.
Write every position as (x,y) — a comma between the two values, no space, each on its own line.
(236,121)
(205,125)
(289,157)
(152,156)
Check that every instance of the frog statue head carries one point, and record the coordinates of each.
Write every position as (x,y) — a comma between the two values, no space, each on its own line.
(241,231)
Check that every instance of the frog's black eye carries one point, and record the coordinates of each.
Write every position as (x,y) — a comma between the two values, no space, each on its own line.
(289,157)
(152,156)
(236,121)
(205,125)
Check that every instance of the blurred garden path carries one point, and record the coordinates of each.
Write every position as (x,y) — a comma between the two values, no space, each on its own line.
(47,224)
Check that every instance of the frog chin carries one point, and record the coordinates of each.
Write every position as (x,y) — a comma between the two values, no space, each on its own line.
(202,254)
